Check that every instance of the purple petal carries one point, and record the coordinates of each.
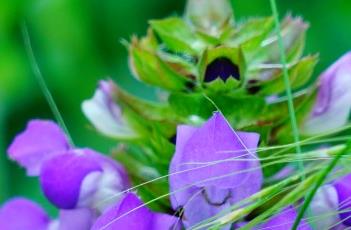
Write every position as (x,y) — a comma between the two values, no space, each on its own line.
(130,214)
(81,219)
(216,141)
(332,108)
(184,132)
(61,177)
(40,141)
(325,204)
(343,188)
(283,221)
(23,214)
(105,114)
(204,204)
(83,178)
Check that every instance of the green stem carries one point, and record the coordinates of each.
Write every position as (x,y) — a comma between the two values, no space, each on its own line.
(41,81)
(287,83)
(3,163)
(319,182)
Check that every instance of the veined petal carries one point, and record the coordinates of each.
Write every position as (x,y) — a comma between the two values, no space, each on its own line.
(23,214)
(40,141)
(212,168)
(228,155)
(105,114)
(332,108)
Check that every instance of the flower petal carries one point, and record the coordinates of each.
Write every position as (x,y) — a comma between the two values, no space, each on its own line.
(333,105)
(216,151)
(81,219)
(325,204)
(105,114)
(223,150)
(184,132)
(23,214)
(198,206)
(130,214)
(283,221)
(40,141)
(61,177)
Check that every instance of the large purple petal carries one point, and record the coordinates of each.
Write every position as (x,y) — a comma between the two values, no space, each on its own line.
(283,221)
(184,132)
(199,156)
(40,141)
(61,177)
(224,151)
(130,214)
(343,189)
(23,214)
(333,105)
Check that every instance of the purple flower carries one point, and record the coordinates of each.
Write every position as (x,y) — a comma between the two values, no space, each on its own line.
(333,104)
(82,178)
(284,220)
(40,141)
(332,204)
(129,213)
(23,214)
(70,178)
(216,167)
(105,114)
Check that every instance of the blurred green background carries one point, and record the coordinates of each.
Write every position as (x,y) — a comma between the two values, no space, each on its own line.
(77,42)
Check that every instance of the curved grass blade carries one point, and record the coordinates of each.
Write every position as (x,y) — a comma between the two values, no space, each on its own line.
(41,81)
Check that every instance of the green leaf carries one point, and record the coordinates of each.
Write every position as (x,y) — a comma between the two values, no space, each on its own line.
(177,35)
(250,34)
(299,74)
(148,67)
(187,105)
(293,32)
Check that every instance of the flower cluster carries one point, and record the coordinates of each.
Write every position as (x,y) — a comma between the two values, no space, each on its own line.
(86,186)
(181,160)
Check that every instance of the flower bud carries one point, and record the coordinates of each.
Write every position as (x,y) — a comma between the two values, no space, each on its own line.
(209,16)
(105,114)
(333,103)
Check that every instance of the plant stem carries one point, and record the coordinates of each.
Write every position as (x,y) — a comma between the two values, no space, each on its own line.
(41,81)
(287,83)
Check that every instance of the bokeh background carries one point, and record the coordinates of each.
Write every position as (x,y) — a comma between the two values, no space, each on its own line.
(78,42)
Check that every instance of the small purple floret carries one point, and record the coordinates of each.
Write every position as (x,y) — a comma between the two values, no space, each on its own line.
(40,141)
